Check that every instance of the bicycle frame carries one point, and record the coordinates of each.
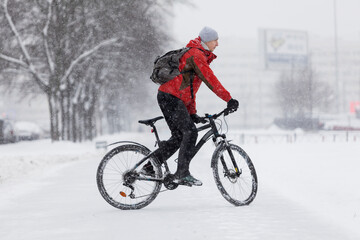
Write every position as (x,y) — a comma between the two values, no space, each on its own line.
(198,146)
(212,133)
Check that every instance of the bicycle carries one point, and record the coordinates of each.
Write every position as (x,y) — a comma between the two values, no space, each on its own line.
(123,186)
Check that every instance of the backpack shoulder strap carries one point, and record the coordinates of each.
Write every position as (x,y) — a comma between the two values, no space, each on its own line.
(192,74)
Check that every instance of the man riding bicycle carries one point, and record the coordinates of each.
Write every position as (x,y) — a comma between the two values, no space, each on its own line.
(177,101)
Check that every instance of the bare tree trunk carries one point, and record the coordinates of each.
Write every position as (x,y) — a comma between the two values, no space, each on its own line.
(51,111)
(73,122)
(90,123)
(80,120)
(62,116)
(54,115)
(68,118)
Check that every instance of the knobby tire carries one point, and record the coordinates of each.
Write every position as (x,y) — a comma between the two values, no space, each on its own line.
(238,190)
(110,178)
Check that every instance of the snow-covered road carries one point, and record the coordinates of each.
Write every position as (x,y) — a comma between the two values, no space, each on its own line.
(64,203)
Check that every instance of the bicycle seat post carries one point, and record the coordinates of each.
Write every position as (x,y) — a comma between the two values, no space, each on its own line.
(154,130)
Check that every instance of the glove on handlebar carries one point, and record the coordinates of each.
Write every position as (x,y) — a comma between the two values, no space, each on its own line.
(232,105)
(197,119)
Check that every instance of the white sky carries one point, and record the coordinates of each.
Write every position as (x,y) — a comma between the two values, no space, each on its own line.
(244,18)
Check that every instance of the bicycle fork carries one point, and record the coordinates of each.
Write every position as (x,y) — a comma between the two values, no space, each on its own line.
(229,173)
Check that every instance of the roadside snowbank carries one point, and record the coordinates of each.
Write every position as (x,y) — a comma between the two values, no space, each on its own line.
(20,159)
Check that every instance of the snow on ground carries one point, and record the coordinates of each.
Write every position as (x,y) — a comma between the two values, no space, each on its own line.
(306,191)
(23,158)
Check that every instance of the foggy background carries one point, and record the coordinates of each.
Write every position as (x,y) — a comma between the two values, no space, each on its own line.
(322,91)
(293,65)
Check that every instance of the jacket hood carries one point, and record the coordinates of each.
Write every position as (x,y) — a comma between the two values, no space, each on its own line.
(196,43)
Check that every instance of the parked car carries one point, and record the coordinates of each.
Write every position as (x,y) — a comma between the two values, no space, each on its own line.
(27,131)
(7,133)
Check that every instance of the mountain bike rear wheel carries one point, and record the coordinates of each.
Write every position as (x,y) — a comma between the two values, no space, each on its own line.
(237,186)
(119,186)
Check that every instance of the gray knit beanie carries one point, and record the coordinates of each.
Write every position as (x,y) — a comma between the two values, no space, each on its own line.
(208,34)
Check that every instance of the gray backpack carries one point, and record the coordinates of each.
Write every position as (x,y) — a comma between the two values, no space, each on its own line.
(166,67)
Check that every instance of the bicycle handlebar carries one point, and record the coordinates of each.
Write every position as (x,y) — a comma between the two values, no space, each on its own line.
(226,112)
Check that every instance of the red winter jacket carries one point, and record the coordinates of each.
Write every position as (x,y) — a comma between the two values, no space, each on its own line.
(198,60)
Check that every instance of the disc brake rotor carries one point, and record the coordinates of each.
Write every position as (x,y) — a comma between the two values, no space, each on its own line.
(232,176)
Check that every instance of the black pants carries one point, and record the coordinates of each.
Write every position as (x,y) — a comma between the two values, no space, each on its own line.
(183,133)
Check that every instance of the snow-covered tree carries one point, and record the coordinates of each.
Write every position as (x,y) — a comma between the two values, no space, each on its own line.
(84,55)
(300,93)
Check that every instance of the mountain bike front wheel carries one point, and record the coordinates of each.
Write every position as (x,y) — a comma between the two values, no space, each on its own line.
(120,186)
(234,174)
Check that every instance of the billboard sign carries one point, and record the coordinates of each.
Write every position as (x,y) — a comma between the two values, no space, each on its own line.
(283,49)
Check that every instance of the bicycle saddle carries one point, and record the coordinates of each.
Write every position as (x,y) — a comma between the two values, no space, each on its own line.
(151,121)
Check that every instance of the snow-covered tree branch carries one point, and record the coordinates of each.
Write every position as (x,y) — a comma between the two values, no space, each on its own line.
(45,36)
(14,60)
(85,55)
(25,52)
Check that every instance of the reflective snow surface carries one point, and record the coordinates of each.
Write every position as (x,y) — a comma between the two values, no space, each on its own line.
(306,191)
